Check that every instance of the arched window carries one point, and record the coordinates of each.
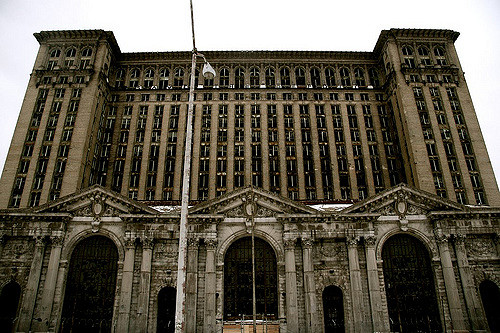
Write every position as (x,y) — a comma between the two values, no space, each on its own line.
(490,296)
(270,78)
(333,310)
(315,77)
(359,76)
(411,296)
(440,54)
(224,78)
(70,57)
(239,78)
(134,78)
(238,299)
(164,76)
(90,286)
(285,77)
(71,52)
(55,53)
(165,319)
(149,75)
(408,56)
(178,77)
(9,302)
(300,76)
(345,77)
(87,52)
(374,80)
(407,51)
(424,55)
(120,78)
(254,77)
(85,59)
(330,77)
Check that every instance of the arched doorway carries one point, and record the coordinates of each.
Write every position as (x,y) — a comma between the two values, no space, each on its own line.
(9,302)
(333,309)
(90,287)
(238,299)
(165,318)
(490,296)
(411,297)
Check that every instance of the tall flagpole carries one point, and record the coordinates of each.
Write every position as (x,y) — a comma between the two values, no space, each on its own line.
(181,264)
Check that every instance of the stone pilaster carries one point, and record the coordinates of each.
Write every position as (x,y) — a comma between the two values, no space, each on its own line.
(309,287)
(49,287)
(292,315)
(144,285)
(377,313)
(191,284)
(29,298)
(450,282)
(356,289)
(210,287)
(471,298)
(126,288)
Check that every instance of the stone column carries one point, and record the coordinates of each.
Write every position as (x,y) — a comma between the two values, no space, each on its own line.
(3,240)
(29,298)
(374,286)
(144,285)
(471,298)
(450,283)
(210,287)
(496,239)
(292,314)
(49,286)
(126,287)
(356,289)
(309,287)
(191,284)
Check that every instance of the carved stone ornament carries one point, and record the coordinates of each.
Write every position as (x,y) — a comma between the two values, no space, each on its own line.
(289,243)
(352,240)
(98,208)
(370,240)
(480,246)
(211,244)
(441,238)
(307,243)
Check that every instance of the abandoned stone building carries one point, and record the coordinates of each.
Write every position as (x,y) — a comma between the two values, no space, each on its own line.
(363,176)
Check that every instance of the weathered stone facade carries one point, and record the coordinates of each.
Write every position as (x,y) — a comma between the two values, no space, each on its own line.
(314,248)
(362,176)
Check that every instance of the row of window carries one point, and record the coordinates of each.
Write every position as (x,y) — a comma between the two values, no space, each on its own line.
(254,96)
(240,78)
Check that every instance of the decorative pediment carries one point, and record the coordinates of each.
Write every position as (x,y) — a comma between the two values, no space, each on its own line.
(96,202)
(251,201)
(403,200)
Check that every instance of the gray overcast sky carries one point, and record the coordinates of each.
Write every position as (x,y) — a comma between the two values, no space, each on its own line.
(352,25)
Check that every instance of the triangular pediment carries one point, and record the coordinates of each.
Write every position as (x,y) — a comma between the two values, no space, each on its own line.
(95,201)
(404,200)
(251,201)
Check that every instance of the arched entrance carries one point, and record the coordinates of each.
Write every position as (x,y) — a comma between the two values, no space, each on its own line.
(238,299)
(165,318)
(333,309)
(411,297)
(490,296)
(9,302)
(90,287)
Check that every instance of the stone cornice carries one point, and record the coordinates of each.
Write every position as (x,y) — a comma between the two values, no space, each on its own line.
(385,35)
(88,35)
(245,56)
